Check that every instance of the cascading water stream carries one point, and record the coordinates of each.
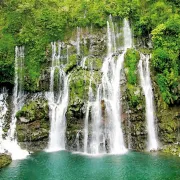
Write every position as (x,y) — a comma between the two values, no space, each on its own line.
(77,141)
(83,62)
(89,104)
(3,112)
(97,131)
(18,94)
(78,44)
(108,130)
(129,136)
(111,87)
(10,143)
(58,101)
(147,89)
(67,54)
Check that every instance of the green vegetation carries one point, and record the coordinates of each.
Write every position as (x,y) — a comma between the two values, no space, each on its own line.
(131,59)
(166,58)
(172,149)
(168,125)
(72,63)
(35,110)
(36,23)
(161,19)
(93,63)
(133,91)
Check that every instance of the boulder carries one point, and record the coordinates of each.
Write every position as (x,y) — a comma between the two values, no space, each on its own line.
(5,160)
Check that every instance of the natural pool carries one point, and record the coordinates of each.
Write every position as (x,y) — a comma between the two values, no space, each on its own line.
(64,165)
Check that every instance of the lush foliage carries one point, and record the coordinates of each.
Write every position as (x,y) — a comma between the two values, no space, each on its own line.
(36,23)
(131,59)
(161,19)
(133,92)
(166,58)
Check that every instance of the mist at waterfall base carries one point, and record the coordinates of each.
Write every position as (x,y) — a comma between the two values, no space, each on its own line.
(63,165)
(10,142)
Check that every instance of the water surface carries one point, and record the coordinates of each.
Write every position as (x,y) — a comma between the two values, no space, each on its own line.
(64,165)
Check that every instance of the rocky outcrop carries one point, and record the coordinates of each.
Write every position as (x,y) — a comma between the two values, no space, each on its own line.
(33,124)
(133,104)
(169,129)
(92,51)
(168,125)
(172,149)
(5,160)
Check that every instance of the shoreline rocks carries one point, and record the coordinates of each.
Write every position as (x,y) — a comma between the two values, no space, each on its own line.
(5,160)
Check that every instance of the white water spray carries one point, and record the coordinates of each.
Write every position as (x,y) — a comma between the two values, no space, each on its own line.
(108,130)
(147,89)
(58,102)
(111,87)
(97,131)
(10,143)
(3,112)
(83,62)
(78,40)
(89,104)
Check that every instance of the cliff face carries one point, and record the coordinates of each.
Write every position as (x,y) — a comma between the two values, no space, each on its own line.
(81,58)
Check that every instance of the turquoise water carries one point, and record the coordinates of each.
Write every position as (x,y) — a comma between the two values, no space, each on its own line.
(67,166)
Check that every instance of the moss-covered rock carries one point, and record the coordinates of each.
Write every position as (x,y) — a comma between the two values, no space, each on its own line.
(134,93)
(71,64)
(135,128)
(93,63)
(131,59)
(5,160)
(172,149)
(33,121)
(134,103)
(168,124)
(33,110)
(168,121)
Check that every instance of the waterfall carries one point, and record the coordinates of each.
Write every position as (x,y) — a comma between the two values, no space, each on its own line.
(3,112)
(108,130)
(58,101)
(93,110)
(111,93)
(67,54)
(97,131)
(89,104)
(83,62)
(147,89)
(10,143)
(78,41)
(128,43)
(129,137)
(77,141)
(111,70)
(18,94)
